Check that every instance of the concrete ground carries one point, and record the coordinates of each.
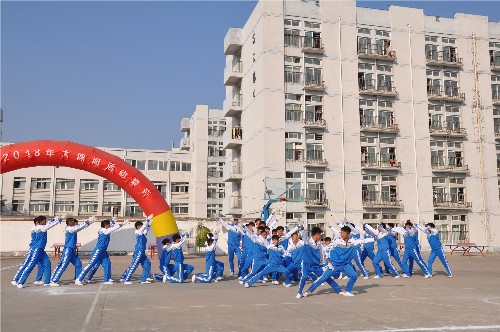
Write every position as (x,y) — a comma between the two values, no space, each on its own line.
(469,301)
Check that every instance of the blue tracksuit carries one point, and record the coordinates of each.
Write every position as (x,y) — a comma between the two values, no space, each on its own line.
(411,253)
(419,253)
(259,256)
(38,253)
(436,249)
(165,266)
(247,253)
(233,247)
(29,253)
(213,268)
(368,249)
(356,255)
(295,253)
(139,256)
(69,252)
(100,255)
(393,250)
(383,252)
(182,270)
(275,264)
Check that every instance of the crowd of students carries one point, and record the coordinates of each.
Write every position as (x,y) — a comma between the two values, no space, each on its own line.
(263,253)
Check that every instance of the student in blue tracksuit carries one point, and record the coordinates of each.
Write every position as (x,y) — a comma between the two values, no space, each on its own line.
(29,253)
(259,253)
(341,253)
(295,246)
(165,258)
(69,254)
(182,271)
(283,241)
(312,258)
(356,253)
(393,249)
(410,247)
(275,262)
(212,266)
(383,254)
(38,252)
(436,248)
(100,255)
(246,250)
(418,251)
(140,257)
(233,243)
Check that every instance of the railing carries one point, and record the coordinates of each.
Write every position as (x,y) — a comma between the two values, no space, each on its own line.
(449,92)
(375,50)
(380,199)
(292,40)
(315,157)
(451,200)
(495,63)
(443,57)
(496,98)
(449,127)
(237,67)
(294,154)
(497,131)
(384,160)
(315,122)
(236,133)
(381,86)
(293,115)
(313,43)
(237,100)
(235,202)
(293,77)
(235,169)
(314,80)
(448,163)
(315,197)
(381,123)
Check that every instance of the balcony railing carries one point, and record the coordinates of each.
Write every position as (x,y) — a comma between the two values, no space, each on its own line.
(315,197)
(450,164)
(373,160)
(315,157)
(497,131)
(185,143)
(380,199)
(496,99)
(294,154)
(236,133)
(450,93)
(316,123)
(383,123)
(447,128)
(314,82)
(376,87)
(235,202)
(451,201)
(443,58)
(495,63)
(233,105)
(312,44)
(376,51)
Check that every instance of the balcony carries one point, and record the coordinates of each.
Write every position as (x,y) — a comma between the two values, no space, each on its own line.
(448,164)
(232,138)
(185,143)
(445,59)
(232,172)
(315,158)
(497,132)
(233,105)
(293,77)
(235,205)
(315,198)
(378,52)
(448,94)
(381,88)
(312,45)
(313,123)
(451,201)
(495,64)
(380,200)
(381,124)
(233,42)
(314,82)
(385,162)
(447,128)
(233,73)
(185,124)
(496,99)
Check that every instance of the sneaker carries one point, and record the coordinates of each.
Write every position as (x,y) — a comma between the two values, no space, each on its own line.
(219,279)
(450,276)
(122,280)
(428,276)
(287,285)
(275,282)
(247,285)
(265,279)
(347,294)
(366,278)
(46,284)
(298,296)
(397,277)
(38,282)
(216,280)
(149,279)
(231,273)
(125,283)
(193,279)
(306,294)
(405,276)
(20,286)
(164,279)
(108,282)
(78,283)
(90,281)
(145,282)
(241,282)
(377,277)
(13,282)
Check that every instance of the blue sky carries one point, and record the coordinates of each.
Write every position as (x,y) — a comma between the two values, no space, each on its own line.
(123,74)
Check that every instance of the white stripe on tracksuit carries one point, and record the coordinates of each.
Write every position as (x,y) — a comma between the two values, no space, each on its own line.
(133,266)
(179,277)
(59,268)
(420,260)
(361,266)
(390,262)
(23,265)
(208,277)
(35,251)
(90,266)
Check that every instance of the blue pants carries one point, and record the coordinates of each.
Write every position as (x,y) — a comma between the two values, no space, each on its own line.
(294,270)
(246,263)
(38,256)
(410,255)
(39,273)
(182,272)
(385,256)
(141,258)
(313,271)
(211,273)
(357,259)
(402,264)
(68,256)
(257,266)
(219,269)
(432,257)
(270,268)
(367,252)
(231,251)
(329,275)
(99,257)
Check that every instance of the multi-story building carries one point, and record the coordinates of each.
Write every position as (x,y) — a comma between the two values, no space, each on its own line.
(378,114)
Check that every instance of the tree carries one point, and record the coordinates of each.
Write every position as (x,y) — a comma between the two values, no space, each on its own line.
(201,236)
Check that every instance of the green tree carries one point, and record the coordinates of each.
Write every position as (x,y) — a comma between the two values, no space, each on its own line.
(201,236)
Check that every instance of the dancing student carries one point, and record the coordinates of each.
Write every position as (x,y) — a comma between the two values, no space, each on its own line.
(38,251)
(213,268)
(100,255)
(233,243)
(182,271)
(393,249)
(436,248)
(259,254)
(294,252)
(411,252)
(69,254)
(246,250)
(356,253)
(140,257)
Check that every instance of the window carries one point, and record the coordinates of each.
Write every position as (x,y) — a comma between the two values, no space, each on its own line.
(384,68)
(431,38)
(451,74)
(365,102)
(371,178)
(312,61)
(365,139)
(315,99)
(291,96)
(364,31)
(292,74)
(448,40)
(293,175)
(110,186)
(89,184)
(66,206)
(314,137)
(316,176)
(312,25)
(385,103)
(292,59)
(17,206)
(293,112)
(215,190)
(19,183)
(39,206)
(382,33)
(370,216)
(139,164)
(65,184)
(133,210)
(293,135)
(387,141)
(293,23)
(157,165)
(365,66)
(175,166)
(180,187)
(111,208)
(389,178)
(214,210)
(40,183)
(315,215)
(87,207)
(186,167)
(180,208)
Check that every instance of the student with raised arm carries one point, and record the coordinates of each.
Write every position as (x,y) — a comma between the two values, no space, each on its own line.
(393,248)
(408,233)
(38,252)
(212,268)
(368,247)
(140,257)
(100,255)
(69,254)
(259,255)
(246,250)
(233,243)
(294,251)
(380,234)
(29,254)
(356,253)
(182,270)
(436,248)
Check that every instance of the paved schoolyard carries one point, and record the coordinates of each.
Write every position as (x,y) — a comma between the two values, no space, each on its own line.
(470,301)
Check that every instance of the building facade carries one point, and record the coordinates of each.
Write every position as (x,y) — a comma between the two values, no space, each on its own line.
(379,115)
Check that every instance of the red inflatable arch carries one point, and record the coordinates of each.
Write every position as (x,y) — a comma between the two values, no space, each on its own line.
(90,159)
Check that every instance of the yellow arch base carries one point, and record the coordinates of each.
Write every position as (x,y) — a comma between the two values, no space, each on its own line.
(164,224)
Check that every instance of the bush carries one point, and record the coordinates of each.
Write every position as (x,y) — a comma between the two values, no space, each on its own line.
(201,236)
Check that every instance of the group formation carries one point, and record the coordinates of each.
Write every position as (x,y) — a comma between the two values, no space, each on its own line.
(264,253)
